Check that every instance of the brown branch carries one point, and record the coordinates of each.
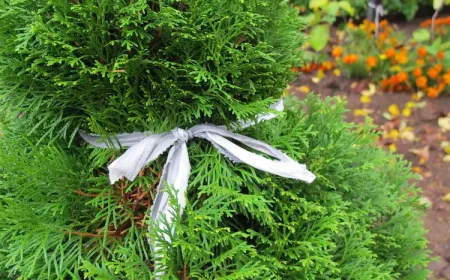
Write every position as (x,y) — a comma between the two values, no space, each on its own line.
(142,172)
(185,277)
(157,174)
(241,40)
(87,234)
(79,192)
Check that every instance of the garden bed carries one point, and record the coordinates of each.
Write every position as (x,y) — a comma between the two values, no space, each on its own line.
(434,172)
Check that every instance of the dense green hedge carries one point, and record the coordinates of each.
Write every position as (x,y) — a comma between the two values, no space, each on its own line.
(359,220)
(117,66)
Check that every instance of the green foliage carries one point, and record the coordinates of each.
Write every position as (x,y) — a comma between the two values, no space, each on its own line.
(421,35)
(117,66)
(101,65)
(439,4)
(318,37)
(359,220)
(408,8)
(48,218)
(323,14)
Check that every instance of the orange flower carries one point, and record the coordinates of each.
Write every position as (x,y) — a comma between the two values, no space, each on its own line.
(440,55)
(382,37)
(446,78)
(351,25)
(422,52)
(383,23)
(337,52)
(432,92)
(350,59)
(394,80)
(394,41)
(426,23)
(441,87)
(421,82)
(402,77)
(371,61)
(420,62)
(398,88)
(438,67)
(385,83)
(438,22)
(417,72)
(367,26)
(390,53)
(432,73)
(326,66)
(401,57)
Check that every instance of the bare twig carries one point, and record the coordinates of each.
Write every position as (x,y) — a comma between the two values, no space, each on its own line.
(79,192)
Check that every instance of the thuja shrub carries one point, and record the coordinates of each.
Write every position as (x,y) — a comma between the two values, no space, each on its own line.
(116,66)
(360,219)
(120,66)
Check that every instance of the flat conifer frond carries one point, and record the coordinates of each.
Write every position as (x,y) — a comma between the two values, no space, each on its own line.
(117,66)
(359,219)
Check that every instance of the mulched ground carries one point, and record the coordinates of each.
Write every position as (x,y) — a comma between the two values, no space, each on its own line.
(435,173)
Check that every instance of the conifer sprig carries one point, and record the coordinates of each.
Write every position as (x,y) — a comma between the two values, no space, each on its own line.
(119,66)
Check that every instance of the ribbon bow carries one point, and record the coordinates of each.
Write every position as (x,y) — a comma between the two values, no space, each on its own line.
(146,147)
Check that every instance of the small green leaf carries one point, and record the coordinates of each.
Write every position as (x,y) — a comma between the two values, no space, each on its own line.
(435,47)
(318,37)
(445,46)
(317,3)
(332,9)
(432,50)
(346,6)
(437,4)
(446,62)
(421,35)
(437,43)
(308,19)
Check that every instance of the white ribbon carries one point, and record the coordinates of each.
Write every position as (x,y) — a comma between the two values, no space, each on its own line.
(146,147)
(379,12)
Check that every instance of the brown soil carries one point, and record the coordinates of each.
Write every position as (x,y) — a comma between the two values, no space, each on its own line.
(435,179)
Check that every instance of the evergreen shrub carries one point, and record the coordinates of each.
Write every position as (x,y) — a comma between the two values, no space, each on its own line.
(116,66)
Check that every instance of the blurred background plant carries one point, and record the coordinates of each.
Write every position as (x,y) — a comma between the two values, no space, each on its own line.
(391,58)
(407,8)
(320,16)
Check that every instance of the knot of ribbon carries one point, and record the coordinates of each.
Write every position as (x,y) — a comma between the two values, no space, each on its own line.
(146,147)
(182,135)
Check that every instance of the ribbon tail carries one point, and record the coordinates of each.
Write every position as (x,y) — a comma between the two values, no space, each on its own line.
(176,174)
(284,167)
(278,106)
(118,141)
